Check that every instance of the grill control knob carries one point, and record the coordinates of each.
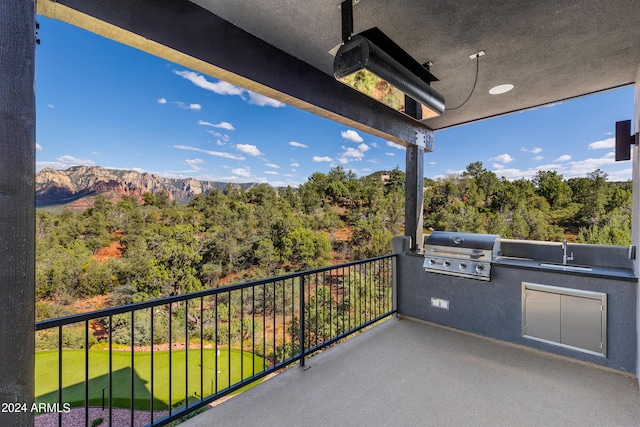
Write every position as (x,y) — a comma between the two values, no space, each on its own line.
(462,266)
(479,269)
(431,262)
(447,264)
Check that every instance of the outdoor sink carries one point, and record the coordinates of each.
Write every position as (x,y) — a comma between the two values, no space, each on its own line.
(564,267)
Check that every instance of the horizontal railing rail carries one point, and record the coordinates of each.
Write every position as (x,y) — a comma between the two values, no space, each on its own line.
(156,361)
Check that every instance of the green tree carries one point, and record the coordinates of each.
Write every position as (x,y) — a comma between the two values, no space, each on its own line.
(305,248)
(551,186)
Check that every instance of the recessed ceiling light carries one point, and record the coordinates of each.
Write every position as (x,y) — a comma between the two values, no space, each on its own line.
(500,89)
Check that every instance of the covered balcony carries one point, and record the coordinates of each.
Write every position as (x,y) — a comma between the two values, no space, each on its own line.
(409,373)
(465,351)
(364,343)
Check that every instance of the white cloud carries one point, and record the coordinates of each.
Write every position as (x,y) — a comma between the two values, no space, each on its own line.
(513,173)
(51,106)
(319,159)
(549,167)
(351,135)
(604,144)
(503,158)
(297,144)
(193,163)
(248,149)
(390,154)
(263,101)
(211,153)
(563,158)
(352,154)
(538,158)
(222,139)
(621,175)
(534,150)
(184,106)
(295,165)
(363,147)
(394,145)
(64,162)
(223,88)
(221,125)
(71,160)
(583,167)
(567,168)
(270,173)
(192,107)
(272,165)
(219,87)
(38,147)
(242,172)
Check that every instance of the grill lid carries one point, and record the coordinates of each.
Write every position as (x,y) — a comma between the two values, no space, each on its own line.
(461,254)
(485,242)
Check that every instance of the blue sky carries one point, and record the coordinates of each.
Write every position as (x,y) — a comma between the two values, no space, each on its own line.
(103,103)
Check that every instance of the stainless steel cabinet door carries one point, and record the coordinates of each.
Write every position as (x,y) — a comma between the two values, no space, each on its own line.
(567,317)
(542,315)
(581,323)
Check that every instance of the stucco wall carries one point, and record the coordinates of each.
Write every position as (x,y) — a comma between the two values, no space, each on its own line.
(494,308)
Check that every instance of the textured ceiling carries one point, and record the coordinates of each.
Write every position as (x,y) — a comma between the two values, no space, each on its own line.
(549,50)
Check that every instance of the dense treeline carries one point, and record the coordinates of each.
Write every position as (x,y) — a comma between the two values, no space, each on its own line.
(588,209)
(159,248)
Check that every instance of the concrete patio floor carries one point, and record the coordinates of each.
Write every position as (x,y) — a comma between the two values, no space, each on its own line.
(409,373)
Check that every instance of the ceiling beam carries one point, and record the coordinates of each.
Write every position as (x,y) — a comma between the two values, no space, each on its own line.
(185,33)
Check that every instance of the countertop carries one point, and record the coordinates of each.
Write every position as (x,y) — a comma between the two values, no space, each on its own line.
(596,271)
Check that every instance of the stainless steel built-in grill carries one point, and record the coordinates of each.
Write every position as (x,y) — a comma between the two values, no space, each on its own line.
(461,254)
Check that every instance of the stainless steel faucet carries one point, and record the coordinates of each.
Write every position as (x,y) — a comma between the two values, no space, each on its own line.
(565,258)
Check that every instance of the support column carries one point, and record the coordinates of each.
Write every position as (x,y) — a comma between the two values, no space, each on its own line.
(17,208)
(414,188)
(414,196)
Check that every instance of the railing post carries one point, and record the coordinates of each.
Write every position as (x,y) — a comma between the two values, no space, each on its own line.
(302,331)
(394,285)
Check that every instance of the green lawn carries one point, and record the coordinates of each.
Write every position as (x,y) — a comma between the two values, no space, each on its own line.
(73,381)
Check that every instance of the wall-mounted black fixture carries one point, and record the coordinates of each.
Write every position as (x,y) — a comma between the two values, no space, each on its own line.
(624,140)
(373,64)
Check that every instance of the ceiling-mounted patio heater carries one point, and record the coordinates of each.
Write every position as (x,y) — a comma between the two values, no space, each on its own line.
(373,64)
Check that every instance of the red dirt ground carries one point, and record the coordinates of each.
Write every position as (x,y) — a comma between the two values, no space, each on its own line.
(114,250)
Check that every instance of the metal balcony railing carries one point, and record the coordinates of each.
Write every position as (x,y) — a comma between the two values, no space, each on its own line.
(161,360)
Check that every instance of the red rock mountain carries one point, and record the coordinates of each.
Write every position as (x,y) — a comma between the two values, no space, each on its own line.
(78,185)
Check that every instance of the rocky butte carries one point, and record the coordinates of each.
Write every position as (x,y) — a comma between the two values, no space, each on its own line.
(77,186)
